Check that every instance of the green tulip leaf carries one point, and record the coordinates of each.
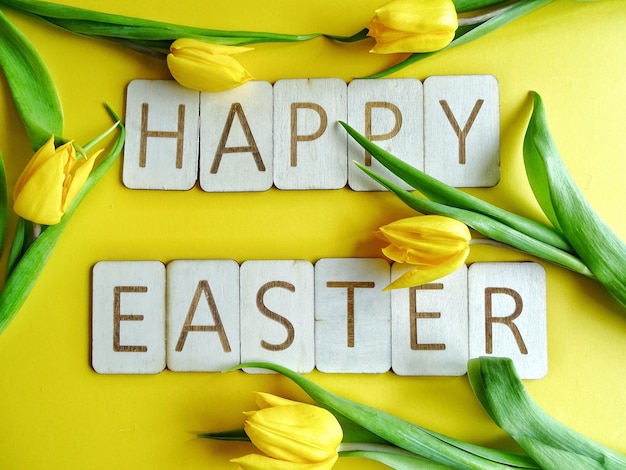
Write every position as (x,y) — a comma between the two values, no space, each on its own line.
(440,192)
(27,270)
(488,226)
(420,441)
(471,33)
(92,23)
(31,85)
(597,245)
(553,445)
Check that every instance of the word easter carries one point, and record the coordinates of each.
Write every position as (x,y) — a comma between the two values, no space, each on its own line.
(288,135)
(208,315)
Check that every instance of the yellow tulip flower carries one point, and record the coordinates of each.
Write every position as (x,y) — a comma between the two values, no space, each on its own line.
(293,435)
(438,245)
(413,26)
(206,67)
(50,182)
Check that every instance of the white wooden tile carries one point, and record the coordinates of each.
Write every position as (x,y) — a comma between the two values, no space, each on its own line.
(462,130)
(429,325)
(276,308)
(310,147)
(352,315)
(507,315)
(388,112)
(161,148)
(128,317)
(202,315)
(236,146)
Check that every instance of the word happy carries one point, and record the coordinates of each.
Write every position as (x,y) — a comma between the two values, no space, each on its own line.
(288,136)
(209,315)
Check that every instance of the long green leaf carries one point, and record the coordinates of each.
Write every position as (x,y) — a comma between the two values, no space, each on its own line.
(426,443)
(27,270)
(467,35)
(93,23)
(552,444)
(440,192)
(31,85)
(594,241)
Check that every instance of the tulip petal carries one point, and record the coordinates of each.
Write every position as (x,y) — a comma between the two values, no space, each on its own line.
(424,275)
(297,433)
(40,196)
(213,73)
(417,15)
(267,400)
(207,48)
(45,152)
(77,179)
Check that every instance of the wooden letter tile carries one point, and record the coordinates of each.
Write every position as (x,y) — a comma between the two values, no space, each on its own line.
(236,146)
(352,315)
(276,308)
(128,317)
(462,130)
(202,315)
(388,112)
(161,149)
(310,147)
(429,325)
(507,315)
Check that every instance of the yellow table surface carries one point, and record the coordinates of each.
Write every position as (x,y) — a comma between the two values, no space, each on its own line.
(56,412)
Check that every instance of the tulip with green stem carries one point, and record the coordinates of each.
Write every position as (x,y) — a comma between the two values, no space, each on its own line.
(474,22)
(404,445)
(577,239)
(39,107)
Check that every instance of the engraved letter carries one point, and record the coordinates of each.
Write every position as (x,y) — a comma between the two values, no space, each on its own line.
(415,315)
(118,317)
(203,287)
(295,137)
(461,133)
(252,147)
(368,124)
(274,316)
(508,321)
(179,135)
(350,286)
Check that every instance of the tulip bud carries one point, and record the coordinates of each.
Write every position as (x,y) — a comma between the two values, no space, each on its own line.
(206,67)
(50,182)
(438,245)
(413,26)
(292,435)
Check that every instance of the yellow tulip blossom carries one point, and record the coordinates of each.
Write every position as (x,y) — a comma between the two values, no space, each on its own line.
(293,435)
(206,67)
(50,182)
(413,26)
(438,245)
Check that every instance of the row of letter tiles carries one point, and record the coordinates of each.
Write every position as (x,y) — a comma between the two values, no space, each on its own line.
(208,315)
(288,135)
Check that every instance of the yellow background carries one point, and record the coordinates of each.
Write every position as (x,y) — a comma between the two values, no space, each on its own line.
(56,412)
